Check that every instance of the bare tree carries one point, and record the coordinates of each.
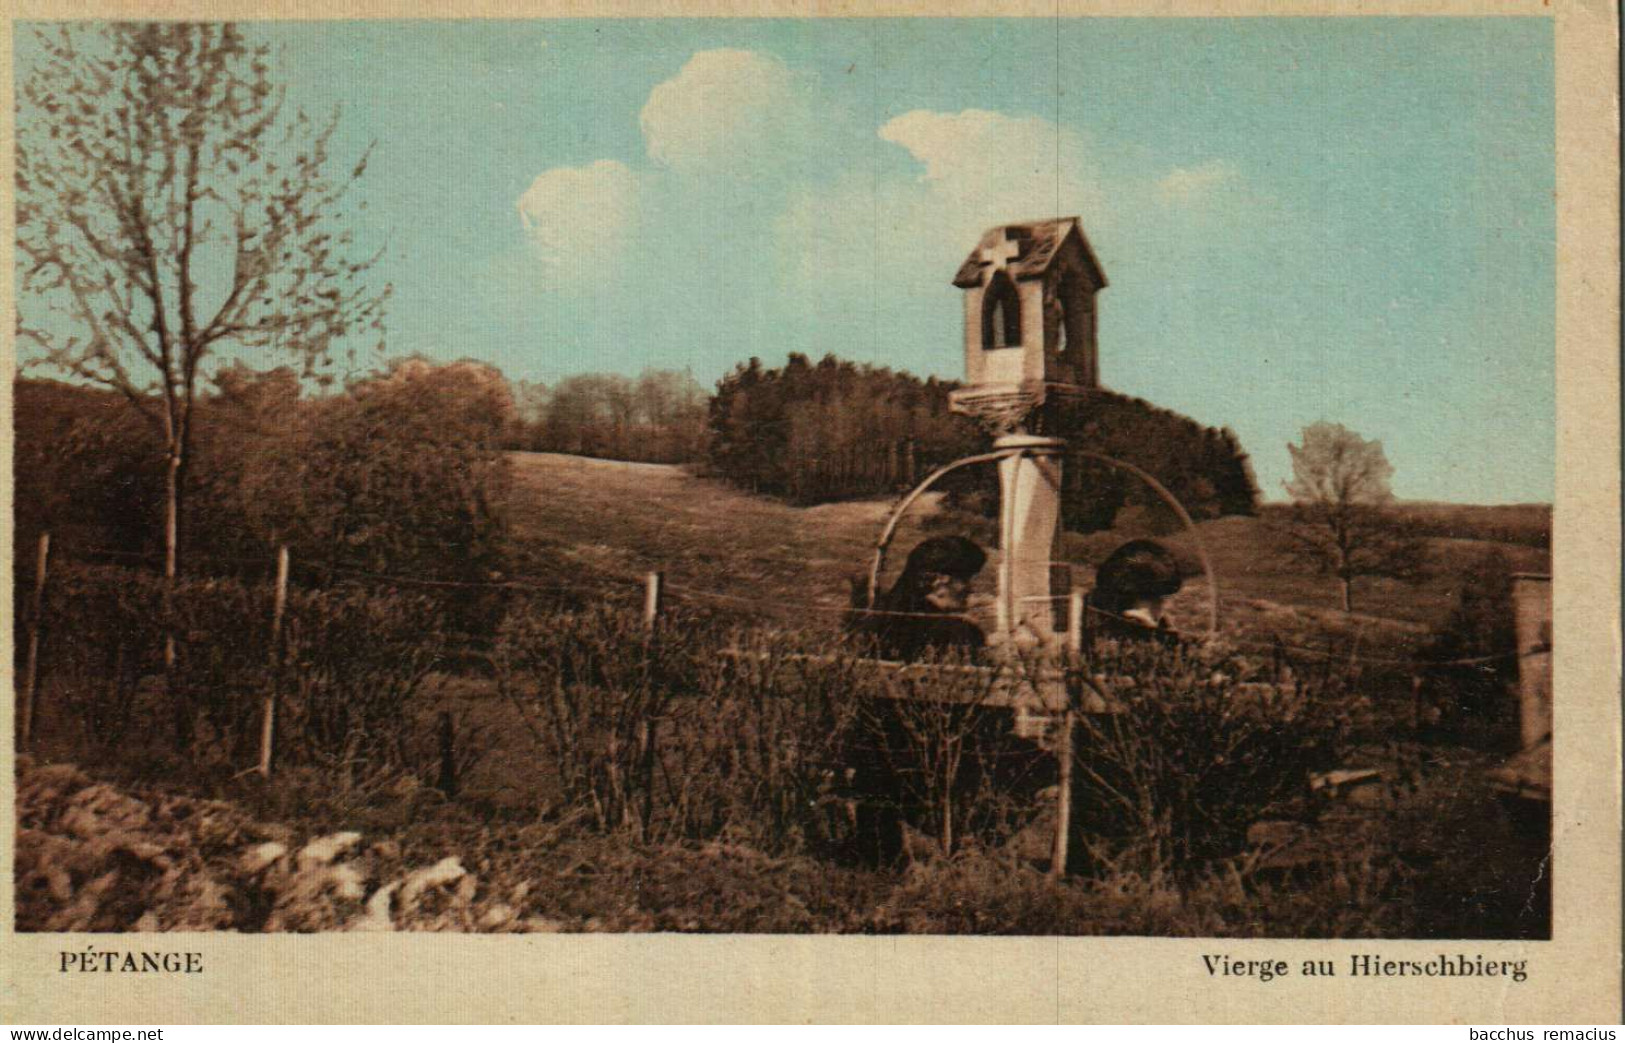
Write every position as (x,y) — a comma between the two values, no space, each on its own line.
(1339,525)
(660,416)
(171,212)
(531,400)
(671,407)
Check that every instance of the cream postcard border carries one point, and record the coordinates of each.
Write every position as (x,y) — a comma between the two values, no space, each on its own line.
(1575,978)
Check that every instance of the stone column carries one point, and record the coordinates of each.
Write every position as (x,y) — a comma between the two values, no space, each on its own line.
(1029,522)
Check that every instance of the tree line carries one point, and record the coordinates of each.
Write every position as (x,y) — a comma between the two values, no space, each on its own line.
(815,432)
(658,416)
(812,432)
(399,472)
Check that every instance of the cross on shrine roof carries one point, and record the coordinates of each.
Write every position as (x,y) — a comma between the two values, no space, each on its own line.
(1024,250)
(1001,252)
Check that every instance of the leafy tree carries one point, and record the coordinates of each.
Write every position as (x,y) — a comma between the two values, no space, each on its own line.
(531,399)
(1205,468)
(171,211)
(86,468)
(838,429)
(400,474)
(1339,524)
(659,417)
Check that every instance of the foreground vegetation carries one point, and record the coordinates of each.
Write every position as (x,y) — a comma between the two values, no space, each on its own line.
(463,674)
(593,776)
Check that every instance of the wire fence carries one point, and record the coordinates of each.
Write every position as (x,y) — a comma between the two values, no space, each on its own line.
(604,583)
(768,606)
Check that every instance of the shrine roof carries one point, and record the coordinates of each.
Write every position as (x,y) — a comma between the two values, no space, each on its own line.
(1038,243)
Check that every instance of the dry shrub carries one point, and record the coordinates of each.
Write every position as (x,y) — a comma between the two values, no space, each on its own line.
(104,630)
(695,732)
(352,667)
(347,672)
(222,665)
(1198,753)
(946,761)
(101,634)
(689,732)
(761,755)
(595,687)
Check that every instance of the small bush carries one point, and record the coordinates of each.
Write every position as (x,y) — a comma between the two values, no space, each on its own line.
(222,664)
(101,635)
(1475,701)
(1197,754)
(351,667)
(595,688)
(763,750)
(348,669)
(948,761)
(689,732)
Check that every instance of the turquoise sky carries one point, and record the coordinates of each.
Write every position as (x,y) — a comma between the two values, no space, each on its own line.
(1301,219)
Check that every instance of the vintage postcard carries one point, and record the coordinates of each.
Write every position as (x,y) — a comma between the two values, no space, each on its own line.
(786,511)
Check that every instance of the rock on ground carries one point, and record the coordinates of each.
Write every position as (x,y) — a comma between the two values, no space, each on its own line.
(93,857)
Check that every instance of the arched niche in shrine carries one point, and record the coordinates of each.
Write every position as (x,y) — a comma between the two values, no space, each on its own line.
(1001,314)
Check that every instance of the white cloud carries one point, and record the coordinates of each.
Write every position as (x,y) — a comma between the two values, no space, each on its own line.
(981,169)
(985,168)
(725,114)
(976,141)
(579,219)
(731,112)
(1190,185)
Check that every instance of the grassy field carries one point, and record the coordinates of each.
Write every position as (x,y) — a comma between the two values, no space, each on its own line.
(602,524)
(598,526)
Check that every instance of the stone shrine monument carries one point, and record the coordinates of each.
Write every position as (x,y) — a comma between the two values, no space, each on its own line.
(1030,341)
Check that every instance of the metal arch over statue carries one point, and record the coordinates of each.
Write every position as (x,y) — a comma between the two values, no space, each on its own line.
(877,562)
(1030,342)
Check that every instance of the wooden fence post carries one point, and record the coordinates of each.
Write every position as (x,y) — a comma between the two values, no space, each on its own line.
(1063,744)
(31,666)
(448,755)
(268,715)
(1074,626)
(653,588)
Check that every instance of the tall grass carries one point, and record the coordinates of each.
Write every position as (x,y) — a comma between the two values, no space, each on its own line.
(1198,751)
(347,674)
(699,744)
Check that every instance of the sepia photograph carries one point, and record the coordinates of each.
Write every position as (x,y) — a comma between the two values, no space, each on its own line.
(459,491)
(1056,476)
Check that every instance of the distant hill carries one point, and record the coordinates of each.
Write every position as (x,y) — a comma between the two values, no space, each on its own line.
(601,525)
(813,433)
(1527,524)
